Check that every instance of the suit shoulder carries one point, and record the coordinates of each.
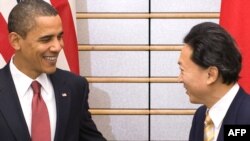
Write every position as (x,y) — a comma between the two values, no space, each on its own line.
(246,99)
(245,95)
(200,111)
(71,76)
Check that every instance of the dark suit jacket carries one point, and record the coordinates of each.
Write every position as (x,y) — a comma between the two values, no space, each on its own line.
(74,122)
(237,114)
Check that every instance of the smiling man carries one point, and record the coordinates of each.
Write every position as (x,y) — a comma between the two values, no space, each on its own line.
(39,102)
(210,64)
(38,49)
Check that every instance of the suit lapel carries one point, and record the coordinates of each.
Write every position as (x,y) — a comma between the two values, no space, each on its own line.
(230,117)
(10,106)
(200,125)
(62,96)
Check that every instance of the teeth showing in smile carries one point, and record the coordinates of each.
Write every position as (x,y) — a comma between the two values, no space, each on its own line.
(49,58)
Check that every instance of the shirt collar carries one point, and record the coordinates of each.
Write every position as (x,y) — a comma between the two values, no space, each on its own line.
(45,82)
(23,82)
(219,110)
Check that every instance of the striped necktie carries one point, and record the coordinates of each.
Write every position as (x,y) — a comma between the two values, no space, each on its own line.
(208,128)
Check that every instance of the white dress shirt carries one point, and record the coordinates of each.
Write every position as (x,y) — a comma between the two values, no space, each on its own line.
(25,94)
(219,110)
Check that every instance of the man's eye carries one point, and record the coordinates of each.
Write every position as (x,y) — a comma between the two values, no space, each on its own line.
(45,39)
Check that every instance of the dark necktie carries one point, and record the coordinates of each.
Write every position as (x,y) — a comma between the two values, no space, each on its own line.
(40,125)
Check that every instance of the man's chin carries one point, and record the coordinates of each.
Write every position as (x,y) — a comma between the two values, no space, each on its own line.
(192,100)
(50,70)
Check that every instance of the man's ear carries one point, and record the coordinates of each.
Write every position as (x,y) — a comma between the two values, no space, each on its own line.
(14,40)
(213,74)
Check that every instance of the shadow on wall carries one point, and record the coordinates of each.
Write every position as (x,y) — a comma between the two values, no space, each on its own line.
(97,97)
(100,99)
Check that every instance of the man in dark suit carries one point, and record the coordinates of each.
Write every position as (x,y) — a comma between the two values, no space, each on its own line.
(210,64)
(35,32)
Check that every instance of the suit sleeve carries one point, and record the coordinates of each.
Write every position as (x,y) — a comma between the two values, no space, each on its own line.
(88,129)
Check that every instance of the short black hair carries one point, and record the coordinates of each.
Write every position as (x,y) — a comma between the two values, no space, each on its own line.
(22,17)
(213,46)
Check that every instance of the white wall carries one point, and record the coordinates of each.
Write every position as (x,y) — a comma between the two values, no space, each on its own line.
(138,64)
